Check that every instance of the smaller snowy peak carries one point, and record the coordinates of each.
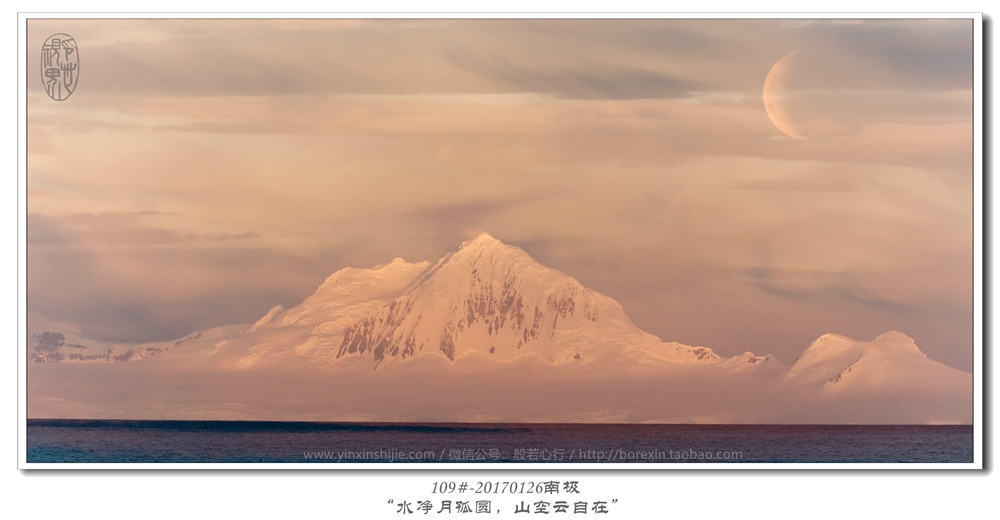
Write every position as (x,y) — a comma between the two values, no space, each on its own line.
(674,352)
(830,343)
(825,347)
(833,359)
(834,345)
(396,274)
(395,264)
(894,336)
(898,340)
(350,287)
(763,365)
(826,357)
(753,359)
(357,276)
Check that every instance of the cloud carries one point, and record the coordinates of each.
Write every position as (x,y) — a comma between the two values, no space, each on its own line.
(142,294)
(832,184)
(587,82)
(900,54)
(115,228)
(467,212)
(809,287)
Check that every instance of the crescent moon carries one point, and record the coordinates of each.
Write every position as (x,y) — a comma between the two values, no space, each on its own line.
(775,87)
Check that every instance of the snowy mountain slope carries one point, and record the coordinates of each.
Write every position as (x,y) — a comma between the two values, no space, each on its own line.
(838,364)
(314,329)
(886,380)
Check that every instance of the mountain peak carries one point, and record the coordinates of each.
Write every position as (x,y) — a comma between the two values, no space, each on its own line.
(481,240)
(832,355)
(484,254)
(894,337)
(898,339)
(491,299)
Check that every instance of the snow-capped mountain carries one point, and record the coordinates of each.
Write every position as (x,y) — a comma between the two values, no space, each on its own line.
(491,298)
(479,327)
(487,298)
(891,368)
(838,364)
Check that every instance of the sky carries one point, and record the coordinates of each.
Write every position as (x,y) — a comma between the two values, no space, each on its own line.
(204,171)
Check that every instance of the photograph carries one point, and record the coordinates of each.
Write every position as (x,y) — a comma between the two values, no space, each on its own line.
(522,242)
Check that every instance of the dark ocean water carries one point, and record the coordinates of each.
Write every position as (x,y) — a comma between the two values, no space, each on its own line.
(238,441)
